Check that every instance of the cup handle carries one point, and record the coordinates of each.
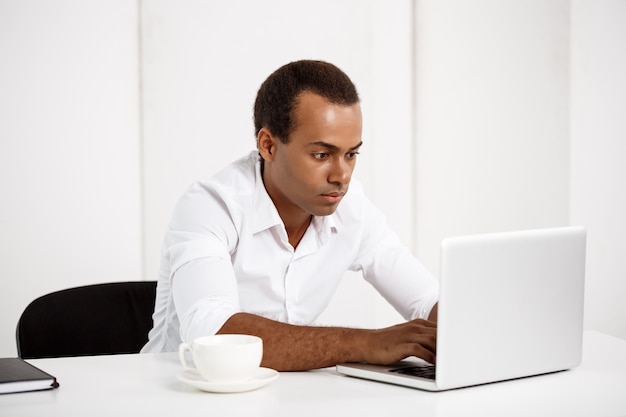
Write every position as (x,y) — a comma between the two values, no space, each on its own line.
(181,355)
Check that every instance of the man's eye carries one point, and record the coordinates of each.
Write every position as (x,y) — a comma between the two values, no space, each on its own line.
(352,155)
(320,155)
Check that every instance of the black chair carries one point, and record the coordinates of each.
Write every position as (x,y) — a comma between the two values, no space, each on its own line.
(100,319)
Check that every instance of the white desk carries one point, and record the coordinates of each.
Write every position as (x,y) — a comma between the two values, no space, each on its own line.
(146,385)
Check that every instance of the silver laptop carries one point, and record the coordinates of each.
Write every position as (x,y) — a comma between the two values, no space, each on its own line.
(511,306)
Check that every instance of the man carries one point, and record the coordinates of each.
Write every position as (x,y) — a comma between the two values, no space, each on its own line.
(261,247)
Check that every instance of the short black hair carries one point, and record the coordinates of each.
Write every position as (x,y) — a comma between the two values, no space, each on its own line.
(277,97)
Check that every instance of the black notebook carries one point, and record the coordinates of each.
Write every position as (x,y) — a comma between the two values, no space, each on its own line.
(17,375)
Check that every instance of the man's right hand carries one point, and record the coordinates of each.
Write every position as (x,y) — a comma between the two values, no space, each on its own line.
(392,344)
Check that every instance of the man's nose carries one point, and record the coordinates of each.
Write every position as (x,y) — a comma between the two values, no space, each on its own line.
(341,172)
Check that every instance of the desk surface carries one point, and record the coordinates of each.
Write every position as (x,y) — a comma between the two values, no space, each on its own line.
(146,384)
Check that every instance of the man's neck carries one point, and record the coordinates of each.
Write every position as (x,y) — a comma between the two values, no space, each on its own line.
(296,221)
(295,231)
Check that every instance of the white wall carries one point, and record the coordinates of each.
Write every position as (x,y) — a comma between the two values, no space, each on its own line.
(492,118)
(598,148)
(69,150)
(521,123)
(511,130)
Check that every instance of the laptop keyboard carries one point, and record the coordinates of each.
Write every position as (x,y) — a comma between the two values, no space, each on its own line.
(427,372)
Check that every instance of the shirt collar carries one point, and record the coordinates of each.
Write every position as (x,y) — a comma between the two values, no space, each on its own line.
(265,213)
(324,226)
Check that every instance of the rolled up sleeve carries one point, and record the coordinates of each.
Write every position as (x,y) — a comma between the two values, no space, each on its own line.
(205,296)
(202,277)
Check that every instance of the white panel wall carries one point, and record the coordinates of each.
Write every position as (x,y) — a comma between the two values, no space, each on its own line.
(69,149)
(598,141)
(492,118)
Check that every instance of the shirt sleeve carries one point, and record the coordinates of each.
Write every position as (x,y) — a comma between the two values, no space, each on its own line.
(393,270)
(205,296)
(198,245)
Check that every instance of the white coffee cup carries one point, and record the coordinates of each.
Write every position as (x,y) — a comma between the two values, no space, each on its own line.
(224,357)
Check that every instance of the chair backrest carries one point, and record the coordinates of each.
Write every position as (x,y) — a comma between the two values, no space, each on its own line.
(98,319)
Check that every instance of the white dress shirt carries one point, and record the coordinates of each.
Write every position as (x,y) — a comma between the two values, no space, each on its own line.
(227,251)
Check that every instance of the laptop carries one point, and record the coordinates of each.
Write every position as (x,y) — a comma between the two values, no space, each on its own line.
(510,306)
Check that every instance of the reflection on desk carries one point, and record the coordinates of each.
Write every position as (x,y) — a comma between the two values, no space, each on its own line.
(146,384)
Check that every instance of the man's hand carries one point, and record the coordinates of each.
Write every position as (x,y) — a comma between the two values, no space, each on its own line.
(392,344)
(288,347)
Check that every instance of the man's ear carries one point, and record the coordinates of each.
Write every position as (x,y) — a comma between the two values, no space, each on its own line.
(266,143)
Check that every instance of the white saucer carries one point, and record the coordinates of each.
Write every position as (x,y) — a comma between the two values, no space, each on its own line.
(262,377)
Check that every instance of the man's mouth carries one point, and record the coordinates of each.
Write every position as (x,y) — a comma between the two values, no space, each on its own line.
(333,197)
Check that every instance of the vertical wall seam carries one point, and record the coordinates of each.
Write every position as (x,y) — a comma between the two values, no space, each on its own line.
(141,144)
(413,150)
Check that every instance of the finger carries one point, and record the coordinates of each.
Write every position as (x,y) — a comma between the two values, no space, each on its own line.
(422,352)
(425,323)
(427,341)
(418,328)
(432,331)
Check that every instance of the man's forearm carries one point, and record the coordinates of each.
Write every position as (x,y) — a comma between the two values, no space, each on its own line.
(288,347)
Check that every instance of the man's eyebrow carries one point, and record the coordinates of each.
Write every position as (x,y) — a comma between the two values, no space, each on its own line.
(332,147)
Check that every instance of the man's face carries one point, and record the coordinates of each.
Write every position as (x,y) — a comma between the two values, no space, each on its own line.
(311,173)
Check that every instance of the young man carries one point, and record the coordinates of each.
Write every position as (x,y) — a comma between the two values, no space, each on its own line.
(261,247)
